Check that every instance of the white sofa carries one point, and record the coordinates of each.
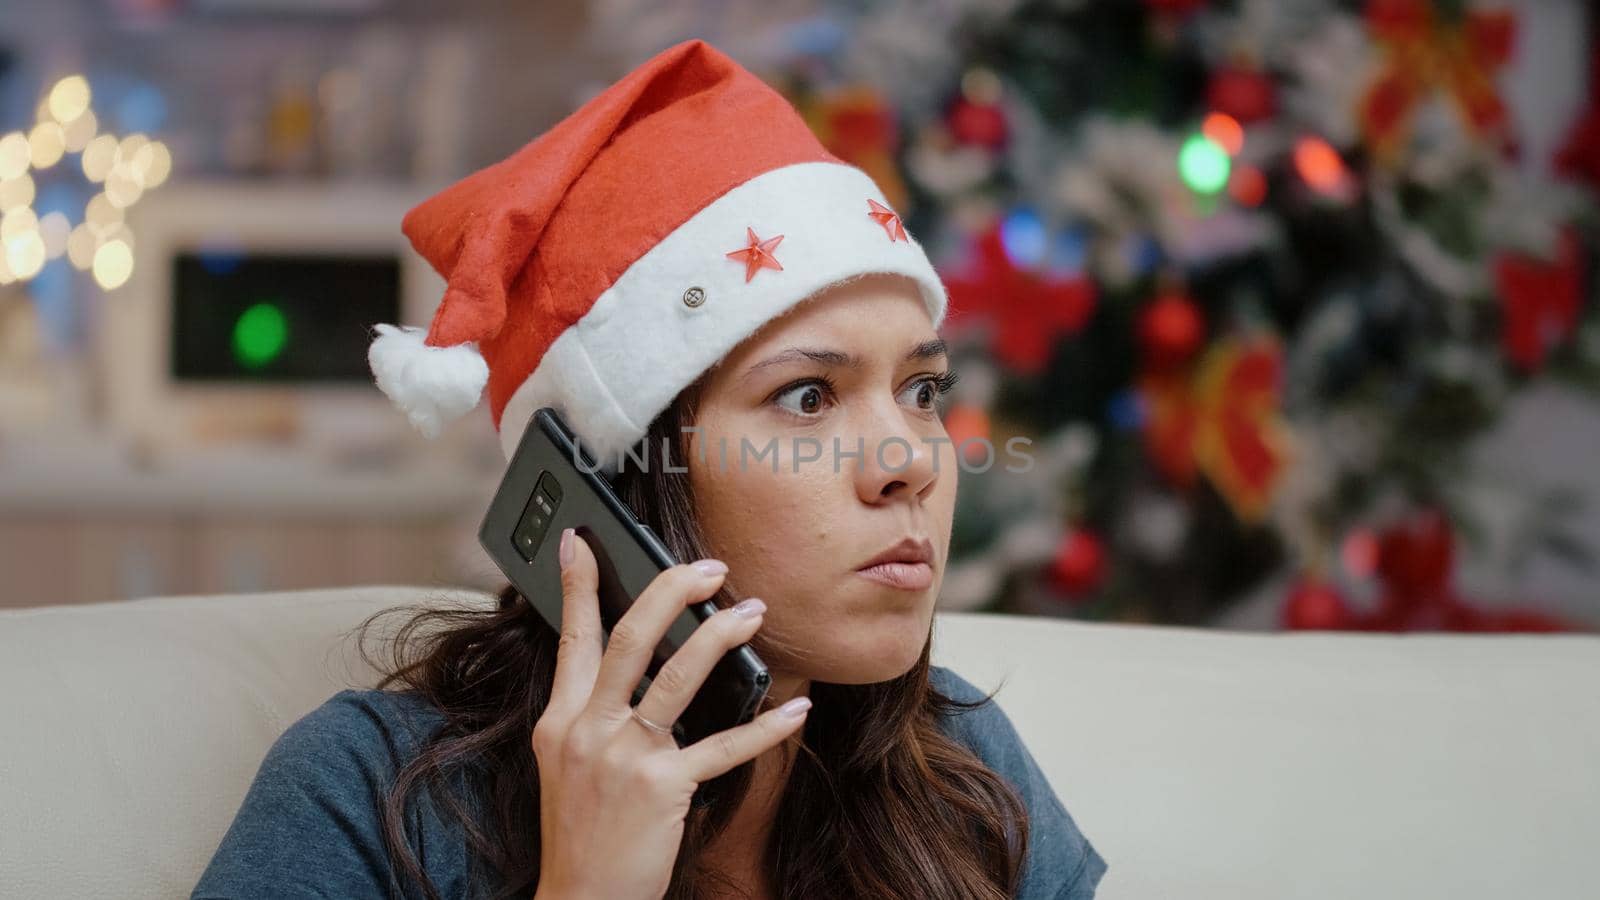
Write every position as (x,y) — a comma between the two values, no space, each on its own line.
(1202,764)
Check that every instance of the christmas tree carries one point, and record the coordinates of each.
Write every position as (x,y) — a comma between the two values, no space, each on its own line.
(1249,276)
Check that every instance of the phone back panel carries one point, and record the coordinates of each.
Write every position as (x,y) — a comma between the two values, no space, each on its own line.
(522,535)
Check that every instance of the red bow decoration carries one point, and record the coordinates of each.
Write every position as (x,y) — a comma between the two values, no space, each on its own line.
(1222,420)
(1030,311)
(1539,301)
(1426,54)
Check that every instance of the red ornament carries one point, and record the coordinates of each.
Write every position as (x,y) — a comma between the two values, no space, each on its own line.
(1415,556)
(1579,156)
(1080,562)
(1539,301)
(1171,330)
(1314,604)
(889,219)
(1245,93)
(978,124)
(758,255)
(1414,563)
(1030,311)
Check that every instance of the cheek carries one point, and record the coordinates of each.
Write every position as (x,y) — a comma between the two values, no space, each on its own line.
(771,528)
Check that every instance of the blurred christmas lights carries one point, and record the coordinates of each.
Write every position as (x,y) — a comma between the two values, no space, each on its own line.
(102,243)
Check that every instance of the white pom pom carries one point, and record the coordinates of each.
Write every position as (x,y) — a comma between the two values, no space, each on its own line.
(432,385)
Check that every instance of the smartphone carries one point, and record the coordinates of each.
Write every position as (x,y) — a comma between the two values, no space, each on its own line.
(553,483)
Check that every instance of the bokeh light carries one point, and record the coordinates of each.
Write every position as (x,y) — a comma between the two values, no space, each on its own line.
(47,142)
(142,108)
(1248,186)
(259,335)
(80,131)
(17,222)
(1225,130)
(15,155)
(99,157)
(15,192)
(1024,237)
(81,246)
(113,264)
(69,98)
(101,214)
(1319,165)
(1203,164)
(126,167)
(54,229)
(154,162)
(25,254)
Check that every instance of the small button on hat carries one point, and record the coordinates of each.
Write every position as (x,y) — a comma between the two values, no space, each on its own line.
(611,261)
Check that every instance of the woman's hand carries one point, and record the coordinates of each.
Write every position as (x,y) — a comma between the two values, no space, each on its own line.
(613,793)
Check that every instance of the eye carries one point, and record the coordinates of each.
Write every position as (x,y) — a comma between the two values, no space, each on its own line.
(808,394)
(928,390)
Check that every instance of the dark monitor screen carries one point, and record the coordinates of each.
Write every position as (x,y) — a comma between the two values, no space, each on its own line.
(279,317)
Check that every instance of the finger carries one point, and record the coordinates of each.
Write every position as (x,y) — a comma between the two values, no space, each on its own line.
(717,753)
(635,636)
(578,653)
(681,676)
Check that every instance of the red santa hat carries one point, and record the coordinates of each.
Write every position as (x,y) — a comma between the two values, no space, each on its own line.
(611,261)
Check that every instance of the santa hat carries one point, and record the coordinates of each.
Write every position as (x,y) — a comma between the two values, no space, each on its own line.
(611,261)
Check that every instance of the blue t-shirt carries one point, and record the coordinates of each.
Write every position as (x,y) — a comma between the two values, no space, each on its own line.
(310,824)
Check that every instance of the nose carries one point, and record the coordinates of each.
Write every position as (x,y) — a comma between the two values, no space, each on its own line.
(898,458)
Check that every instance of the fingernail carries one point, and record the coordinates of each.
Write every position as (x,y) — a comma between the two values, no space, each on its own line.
(566,547)
(710,566)
(795,707)
(750,607)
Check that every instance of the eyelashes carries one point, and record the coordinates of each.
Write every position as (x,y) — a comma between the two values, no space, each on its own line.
(942,384)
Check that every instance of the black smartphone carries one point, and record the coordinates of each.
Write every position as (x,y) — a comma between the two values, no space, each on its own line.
(553,483)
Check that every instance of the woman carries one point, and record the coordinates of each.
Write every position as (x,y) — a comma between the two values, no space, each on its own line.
(513,761)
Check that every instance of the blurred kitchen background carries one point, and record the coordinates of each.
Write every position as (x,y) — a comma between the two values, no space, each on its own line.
(1294,298)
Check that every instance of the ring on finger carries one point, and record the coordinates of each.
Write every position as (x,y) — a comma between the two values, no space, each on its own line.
(658,729)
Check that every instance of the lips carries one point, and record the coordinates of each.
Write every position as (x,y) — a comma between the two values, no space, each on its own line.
(907,565)
(906,576)
(906,550)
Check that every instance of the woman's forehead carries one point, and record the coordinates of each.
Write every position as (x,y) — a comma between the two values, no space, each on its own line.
(860,312)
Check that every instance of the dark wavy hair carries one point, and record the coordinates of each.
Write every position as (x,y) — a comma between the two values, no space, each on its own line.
(879,802)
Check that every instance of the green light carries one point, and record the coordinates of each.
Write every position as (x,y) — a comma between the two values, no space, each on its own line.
(1203,164)
(259,335)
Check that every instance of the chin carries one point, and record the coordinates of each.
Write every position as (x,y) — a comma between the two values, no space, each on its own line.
(880,651)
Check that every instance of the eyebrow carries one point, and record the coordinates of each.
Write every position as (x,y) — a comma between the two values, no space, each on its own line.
(931,349)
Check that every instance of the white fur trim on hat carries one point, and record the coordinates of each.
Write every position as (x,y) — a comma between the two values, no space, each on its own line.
(613,371)
(432,385)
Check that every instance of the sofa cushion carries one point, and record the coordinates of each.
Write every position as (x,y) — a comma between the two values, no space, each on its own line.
(1200,763)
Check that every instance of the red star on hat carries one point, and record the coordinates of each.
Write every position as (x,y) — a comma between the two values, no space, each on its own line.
(758,255)
(889,219)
